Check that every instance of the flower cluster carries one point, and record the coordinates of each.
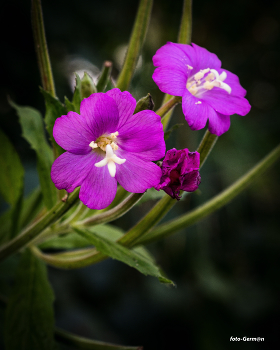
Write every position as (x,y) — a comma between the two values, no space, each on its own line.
(208,91)
(179,172)
(107,144)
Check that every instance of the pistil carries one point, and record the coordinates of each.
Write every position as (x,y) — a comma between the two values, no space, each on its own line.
(110,160)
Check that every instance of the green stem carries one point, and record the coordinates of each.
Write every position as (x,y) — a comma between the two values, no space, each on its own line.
(104,77)
(213,204)
(34,230)
(114,213)
(185,32)
(41,47)
(168,105)
(88,344)
(206,145)
(135,44)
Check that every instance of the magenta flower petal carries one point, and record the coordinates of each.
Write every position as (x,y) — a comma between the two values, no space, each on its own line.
(196,111)
(143,134)
(125,102)
(98,189)
(233,81)
(101,114)
(219,124)
(69,170)
(206,89)
(171,55)
(227,104)
(173,81)
(205,59)
(72,134)
(137,175)
(179,172)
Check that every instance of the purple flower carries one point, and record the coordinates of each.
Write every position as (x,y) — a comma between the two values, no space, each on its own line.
(208,92)
(179,172)
(106,143)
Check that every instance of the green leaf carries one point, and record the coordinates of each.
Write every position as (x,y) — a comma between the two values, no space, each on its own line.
(11,181)
(33,131)
(32,204)
(12,172)
(54,110)
(29,315)
(119,252)
(168,132)
(77,97)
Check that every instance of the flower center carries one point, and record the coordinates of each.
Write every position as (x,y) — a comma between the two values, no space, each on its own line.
(105,140)
(205,80)
(110,160)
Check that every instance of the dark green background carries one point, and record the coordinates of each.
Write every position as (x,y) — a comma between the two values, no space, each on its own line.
(226,267)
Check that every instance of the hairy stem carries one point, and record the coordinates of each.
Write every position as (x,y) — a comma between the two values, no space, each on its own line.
(135,44)
(213,204)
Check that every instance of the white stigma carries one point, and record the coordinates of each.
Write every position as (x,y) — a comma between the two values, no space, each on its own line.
(110,160)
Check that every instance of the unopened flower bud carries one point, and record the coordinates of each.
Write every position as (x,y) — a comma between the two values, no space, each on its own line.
(144,103)
(87,86)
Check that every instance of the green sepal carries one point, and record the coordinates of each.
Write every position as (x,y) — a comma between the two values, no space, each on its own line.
(29,323)
(77,97)
(104,77)
(87,86)
(130,257)
(144,103)
(11,181)
(33,131)
(54,110)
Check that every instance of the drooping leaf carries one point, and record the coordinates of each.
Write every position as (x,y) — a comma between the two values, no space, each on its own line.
(11,181)
(54,110)
(29,315)
(121,253)
(33,131)
(73,240)
(168,132)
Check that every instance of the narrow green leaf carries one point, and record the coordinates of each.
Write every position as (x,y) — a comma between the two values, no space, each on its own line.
(11,181)
(129,257)
(54,110)
(77,97)
(31,207)
(136,43)
(168,132)
(29,315)
(12,172)
(33,131)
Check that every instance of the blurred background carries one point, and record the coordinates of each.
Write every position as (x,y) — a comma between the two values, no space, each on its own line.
(227,266)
